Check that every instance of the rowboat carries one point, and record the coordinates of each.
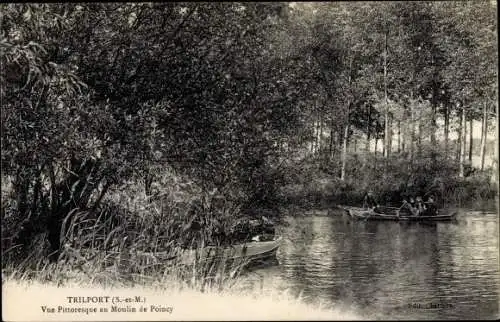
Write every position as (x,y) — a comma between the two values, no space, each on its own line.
(246,253)
(394,214)
(251,251)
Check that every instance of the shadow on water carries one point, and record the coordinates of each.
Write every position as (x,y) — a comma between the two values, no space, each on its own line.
(395,270)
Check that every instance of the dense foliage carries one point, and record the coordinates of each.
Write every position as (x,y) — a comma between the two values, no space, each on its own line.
(144,118)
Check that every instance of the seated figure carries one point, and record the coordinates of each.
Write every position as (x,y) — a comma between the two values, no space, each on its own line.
(408,207)
(369,201)
(431,208)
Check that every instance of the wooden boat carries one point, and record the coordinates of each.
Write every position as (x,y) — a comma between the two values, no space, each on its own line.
(390,213)
(252,251)
(247,253)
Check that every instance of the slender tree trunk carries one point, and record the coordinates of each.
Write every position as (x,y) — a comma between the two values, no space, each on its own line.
(484,134)
(434,112)
(411,147)
(463,136)
(389,136)
(391,133)
(399,136)
(346,129)
(495,176)
(433,117)
(471,140)
(376,146)
(316,134)
(344,151)
(368,128)
(383,145)
(459,140)
(320,134)
(330,147)
(404,138)
(446,129)
(404,133)
(338,143)
(419,138)
(314,137)
(386,112)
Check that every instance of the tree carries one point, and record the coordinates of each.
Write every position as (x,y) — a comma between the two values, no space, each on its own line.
(111,89)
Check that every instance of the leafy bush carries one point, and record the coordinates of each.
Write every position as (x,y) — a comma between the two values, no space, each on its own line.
(134,235)
(390,179)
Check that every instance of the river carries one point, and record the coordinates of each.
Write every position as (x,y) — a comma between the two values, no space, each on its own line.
(391,270)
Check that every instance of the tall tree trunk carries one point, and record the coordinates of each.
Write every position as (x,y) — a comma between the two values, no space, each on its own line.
(339,142)
(446,129)
(458,148)
(484,134)
(411,146)
(433,116)
(399,136)
(419,138)
(383,145)
(391,134)
(496,163)
(404,133)
(386,112)
(344,152)
(313,141)
(463,136)
(320,134)
(376,146)
(368,129)
(471,139)
(316,138)
(330,147)
(346,129)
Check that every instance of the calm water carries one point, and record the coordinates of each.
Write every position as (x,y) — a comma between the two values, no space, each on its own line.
(390,270)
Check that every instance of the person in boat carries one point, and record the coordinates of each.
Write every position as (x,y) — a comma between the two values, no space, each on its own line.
(370,202)
(431,207)
(410,207)
(413,206)
(420,206)
(406,206)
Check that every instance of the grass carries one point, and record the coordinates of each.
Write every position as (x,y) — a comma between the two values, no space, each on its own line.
(104,254)
(122,239)
(100,258)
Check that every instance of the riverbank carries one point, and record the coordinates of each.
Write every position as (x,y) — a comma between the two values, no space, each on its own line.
(32,301)
(297,206)
(315,183)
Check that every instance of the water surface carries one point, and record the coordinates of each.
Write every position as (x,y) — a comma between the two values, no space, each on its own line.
(391,270)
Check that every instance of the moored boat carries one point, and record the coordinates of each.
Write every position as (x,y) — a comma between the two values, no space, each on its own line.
(251,251)
(247,253)
(394,214)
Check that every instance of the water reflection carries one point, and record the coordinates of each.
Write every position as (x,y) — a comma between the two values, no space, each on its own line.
(381,269)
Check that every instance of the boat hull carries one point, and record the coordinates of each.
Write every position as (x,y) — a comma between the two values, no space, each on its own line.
(252,251)
(244,254)
(368,214)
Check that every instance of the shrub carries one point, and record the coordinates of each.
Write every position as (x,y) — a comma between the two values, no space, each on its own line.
(391,179)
